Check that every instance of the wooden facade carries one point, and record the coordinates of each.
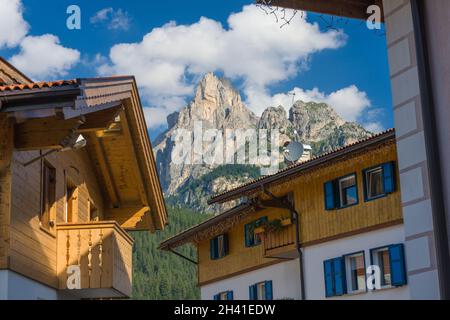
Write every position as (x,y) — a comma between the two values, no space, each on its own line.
(96,192)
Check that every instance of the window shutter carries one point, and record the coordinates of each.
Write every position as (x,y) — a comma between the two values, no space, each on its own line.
(328,272)
(388,177)
(330,201)
(225,245)
(248,241)
(397,263)
(339,276)
(269,290)
(217,297)
(213,248)
(230,295)
(252,292)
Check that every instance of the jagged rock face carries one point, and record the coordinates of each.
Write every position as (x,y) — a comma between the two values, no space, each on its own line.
(218,105)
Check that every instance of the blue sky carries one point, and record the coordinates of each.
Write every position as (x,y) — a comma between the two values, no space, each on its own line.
(347,68)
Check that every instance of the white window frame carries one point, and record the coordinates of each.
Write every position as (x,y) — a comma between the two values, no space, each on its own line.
(341,194)
(348,270)
(375,261)
(368,186)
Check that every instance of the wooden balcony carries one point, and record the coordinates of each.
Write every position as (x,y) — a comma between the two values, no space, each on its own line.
(103,253)
(280,243)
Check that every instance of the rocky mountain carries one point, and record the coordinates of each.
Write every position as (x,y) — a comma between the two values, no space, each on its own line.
(217,105)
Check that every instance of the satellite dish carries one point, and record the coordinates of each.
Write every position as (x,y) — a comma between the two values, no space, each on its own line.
(293,151)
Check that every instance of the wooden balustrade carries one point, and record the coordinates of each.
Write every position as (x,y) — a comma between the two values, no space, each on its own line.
(280,243)
(103,252)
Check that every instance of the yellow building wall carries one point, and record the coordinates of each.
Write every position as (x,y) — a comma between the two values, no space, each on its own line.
(239,257)
(316,223)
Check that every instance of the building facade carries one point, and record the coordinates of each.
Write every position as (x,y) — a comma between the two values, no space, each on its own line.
(417,46)
(77,173)
(349,218)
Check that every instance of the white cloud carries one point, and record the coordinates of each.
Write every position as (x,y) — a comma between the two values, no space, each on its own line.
(117,19)
(252,49)
(350,103)
(43,57)
(14,27)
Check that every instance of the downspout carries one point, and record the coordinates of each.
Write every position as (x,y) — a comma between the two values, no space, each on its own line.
(283,203)
(432,150)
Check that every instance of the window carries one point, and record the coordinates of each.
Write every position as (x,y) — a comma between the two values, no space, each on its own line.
(226,295)
(71,202)
(334,273)
(93,212)
(251,238)
(261,291)
(341,193)
(48,196)
(355,272)
(219,247)
(348,191)
(379,181)
(391,261)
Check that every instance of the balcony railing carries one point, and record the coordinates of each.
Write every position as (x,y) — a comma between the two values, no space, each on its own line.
(280,243)
(94,260)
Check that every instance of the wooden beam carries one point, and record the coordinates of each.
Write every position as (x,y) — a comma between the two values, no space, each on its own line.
(136,167)
(105,170)
(100,120)
(44,133)
(132,219)
(356,9)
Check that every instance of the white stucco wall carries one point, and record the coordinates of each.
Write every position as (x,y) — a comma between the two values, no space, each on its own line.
(284,276)
(16,287)
(314,257)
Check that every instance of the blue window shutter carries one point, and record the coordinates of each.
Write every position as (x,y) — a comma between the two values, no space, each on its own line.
(216,297)
(230,295)
(328,272)
(388,177)
(269,290)
(252,292)
(339,277)
(397,264)
(225,245)
(212,249)
(248,239)
(330,201)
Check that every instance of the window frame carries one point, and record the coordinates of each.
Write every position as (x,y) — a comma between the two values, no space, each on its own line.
(338,184)
(225,294)
(225,246)
(254,234)
(371,251)
(49,229)
(349,291)
(365,181)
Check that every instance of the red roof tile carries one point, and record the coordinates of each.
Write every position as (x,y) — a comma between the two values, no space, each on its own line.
(37,85)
